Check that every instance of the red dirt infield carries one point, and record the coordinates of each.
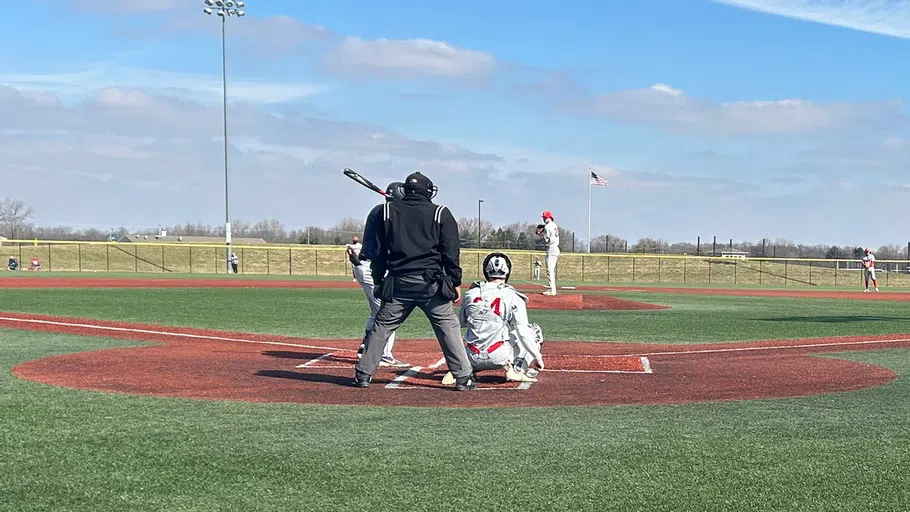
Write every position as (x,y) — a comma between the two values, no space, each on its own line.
(214,365)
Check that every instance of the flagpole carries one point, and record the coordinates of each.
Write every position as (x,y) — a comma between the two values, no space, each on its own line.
(589,208)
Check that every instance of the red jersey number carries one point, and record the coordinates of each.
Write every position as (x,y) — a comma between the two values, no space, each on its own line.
(496,305)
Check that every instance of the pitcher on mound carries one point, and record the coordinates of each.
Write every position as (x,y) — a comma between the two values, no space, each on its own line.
(549,233)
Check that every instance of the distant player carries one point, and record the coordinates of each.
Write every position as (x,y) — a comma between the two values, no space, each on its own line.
(499,335)
(364,275)
(550,235)
(869,269)
(355,246)
(537,269)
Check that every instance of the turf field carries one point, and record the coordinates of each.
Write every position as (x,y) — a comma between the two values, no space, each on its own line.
(69,449)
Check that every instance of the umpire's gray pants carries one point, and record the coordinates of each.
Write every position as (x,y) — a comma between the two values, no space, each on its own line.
(441,314)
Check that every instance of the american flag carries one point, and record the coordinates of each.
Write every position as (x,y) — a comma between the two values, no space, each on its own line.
(597,181)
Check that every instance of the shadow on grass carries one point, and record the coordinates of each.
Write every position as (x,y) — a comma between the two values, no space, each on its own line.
(836,319)
(308,377)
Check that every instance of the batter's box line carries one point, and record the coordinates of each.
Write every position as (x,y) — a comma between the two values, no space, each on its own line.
(414,370)
(317,359)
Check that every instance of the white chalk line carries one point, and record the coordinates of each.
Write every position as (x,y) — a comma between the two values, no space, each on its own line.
(414,370)
(594,371)
(166,333)
(767,348)
(315,360)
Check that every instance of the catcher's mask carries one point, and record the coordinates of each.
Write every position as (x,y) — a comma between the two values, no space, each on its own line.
(497,266)
(395,191)
(417,183)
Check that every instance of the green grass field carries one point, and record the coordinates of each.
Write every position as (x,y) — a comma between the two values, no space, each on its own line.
(66,449)
(573,267)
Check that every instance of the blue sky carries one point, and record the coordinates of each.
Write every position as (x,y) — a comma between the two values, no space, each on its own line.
(741,119)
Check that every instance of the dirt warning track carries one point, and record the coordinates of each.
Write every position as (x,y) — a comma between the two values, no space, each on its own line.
(217,365)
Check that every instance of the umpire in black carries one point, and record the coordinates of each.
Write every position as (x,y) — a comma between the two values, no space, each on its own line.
(417,243)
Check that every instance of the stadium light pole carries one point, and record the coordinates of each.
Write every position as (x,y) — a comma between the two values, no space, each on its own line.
(225,9)
(478,222)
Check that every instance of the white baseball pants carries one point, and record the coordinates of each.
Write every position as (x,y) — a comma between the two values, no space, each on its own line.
(552,257)
(364,276)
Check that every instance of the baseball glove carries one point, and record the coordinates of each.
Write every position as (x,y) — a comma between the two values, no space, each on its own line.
(539,229)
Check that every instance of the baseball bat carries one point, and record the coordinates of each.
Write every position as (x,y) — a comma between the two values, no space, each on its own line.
(354,175)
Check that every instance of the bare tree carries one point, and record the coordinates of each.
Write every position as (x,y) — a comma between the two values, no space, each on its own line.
(889,252)
(349,227)
(14,217)
(467,228)
(682,248)
(650,245)
(608,243)
(269,230)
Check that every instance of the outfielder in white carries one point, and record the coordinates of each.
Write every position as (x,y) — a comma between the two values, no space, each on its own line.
(550,236)
(499,335)
(869,268)
(354,247)
(364,275)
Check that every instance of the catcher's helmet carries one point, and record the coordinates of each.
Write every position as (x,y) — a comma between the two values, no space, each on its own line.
(395,191)
(417,183)
(497,266)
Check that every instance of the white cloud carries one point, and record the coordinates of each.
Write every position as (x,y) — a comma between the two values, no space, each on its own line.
(673,110)
(126,157)
(407,58)
(349,56)
(200,86)
(270,35)
(886,17)
(127,6)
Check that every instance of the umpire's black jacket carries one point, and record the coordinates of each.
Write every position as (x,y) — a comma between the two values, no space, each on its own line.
(412,236)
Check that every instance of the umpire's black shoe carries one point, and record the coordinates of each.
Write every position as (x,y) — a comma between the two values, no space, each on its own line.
(362,380)
(465,383)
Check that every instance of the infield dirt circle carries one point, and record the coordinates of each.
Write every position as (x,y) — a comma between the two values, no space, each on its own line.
(216,365)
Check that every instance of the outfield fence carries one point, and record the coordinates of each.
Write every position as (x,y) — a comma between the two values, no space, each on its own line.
(311,260)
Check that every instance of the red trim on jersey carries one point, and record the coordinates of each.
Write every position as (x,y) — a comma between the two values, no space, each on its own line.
(490,350)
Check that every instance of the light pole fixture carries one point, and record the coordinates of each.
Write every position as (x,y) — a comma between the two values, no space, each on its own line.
(478,222)
(225,9)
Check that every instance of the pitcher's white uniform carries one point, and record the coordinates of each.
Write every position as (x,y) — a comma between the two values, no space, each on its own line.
(354,247)
(551,238)
(869,269)
(364,275)
(498,331)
